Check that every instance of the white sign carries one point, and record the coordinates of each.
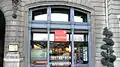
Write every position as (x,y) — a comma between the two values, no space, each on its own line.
(13,47)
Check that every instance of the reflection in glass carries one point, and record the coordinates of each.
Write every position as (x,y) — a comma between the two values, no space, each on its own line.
(60,14)
(59,17)
(78,19)
(42,17)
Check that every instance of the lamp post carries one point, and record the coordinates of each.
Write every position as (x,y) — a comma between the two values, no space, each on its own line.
(16,4)
(106,14)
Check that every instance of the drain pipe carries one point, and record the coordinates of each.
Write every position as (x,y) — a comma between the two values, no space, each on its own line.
(106,14)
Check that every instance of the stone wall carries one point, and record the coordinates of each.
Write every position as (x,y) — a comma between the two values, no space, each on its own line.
(114,25)
(99,24)
(17,29)
(14,33)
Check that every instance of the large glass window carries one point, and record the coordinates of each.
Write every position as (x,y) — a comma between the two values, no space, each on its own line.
(60,14)
(59,40)
(60,48)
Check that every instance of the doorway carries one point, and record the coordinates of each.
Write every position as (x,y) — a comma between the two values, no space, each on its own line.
(2,37)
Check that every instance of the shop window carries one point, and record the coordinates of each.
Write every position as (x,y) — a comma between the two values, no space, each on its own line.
(80,17)
(60,54)
(60,44)
(60,49)
(60,14)
(39,53)
(81,48)
(81,52)
(40,15)
(39,49)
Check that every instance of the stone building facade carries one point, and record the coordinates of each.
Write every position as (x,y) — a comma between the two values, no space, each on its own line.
(17,30)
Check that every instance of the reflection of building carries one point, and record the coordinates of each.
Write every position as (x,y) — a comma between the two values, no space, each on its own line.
(83,20)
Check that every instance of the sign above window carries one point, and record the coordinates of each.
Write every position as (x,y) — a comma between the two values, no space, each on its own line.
(60,35)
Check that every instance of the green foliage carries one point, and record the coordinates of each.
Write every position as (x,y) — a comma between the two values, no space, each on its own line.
(105,47)
(108,57)
(111,50)
(108,41)
(104,62)
(104,54)
(109,64)
(107,33)
(112,58)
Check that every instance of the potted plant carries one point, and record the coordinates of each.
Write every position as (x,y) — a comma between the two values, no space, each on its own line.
(108,57)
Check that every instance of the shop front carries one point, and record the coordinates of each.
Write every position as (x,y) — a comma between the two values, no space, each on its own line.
(59,37)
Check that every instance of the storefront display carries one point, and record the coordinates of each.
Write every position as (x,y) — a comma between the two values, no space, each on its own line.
(39,53)
(60,48)
(81,53)
(61,55)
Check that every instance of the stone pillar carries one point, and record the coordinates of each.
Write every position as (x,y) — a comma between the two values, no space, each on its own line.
(12,59)
(114,25)
(13,35)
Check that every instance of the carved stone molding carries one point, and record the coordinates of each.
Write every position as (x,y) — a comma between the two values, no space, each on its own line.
(15,4)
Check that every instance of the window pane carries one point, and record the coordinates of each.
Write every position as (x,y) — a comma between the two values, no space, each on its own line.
(60,14)
(60,54)
(39,53)
(40,37)
(81,52)
(40,15)
(59,17)
(80,17)
(78,37)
